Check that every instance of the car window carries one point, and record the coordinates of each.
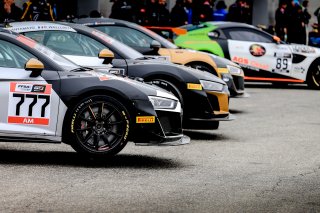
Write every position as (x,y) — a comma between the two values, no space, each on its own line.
(128,36)
(12,56)
(68,43)
(248,35)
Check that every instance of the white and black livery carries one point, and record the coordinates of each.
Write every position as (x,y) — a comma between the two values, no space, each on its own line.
(47,98)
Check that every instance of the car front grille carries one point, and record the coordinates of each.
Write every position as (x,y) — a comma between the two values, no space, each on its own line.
(170,122)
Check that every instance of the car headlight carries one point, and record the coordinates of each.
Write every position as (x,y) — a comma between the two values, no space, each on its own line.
(234,70)
(162,103)
(211,86)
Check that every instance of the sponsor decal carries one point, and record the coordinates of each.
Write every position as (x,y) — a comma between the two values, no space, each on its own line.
(245,62)
(194,86)
(27,41)
(303,49)
(29,103)
(257,50)
(299,69)
(103,36)
(145,119)
(282,55)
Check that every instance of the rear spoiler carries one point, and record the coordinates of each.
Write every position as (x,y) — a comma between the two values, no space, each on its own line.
(176,30)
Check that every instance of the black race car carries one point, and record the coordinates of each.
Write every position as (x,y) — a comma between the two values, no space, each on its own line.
(47,98)
(204,97)
(149,43)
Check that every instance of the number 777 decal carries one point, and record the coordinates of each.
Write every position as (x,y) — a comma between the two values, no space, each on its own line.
(29,103)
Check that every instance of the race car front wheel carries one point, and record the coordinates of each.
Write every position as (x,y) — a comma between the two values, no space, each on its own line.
(170,87)
(99,126)
(313,77)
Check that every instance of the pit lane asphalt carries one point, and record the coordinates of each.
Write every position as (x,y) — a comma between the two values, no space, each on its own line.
(266,160)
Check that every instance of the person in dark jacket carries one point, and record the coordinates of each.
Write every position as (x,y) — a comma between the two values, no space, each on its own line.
(178,14)
(296,25)
(163,13)
(281,27)
(9,11)
(205,11)
(152,12)
(236,11)
(189,9)
(122,9)
(37,10)
(317,14)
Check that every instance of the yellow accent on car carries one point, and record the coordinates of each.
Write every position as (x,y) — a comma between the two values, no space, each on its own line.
(194,86)
(145,119)
(223,100)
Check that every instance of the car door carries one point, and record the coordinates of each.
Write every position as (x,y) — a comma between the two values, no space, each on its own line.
(29,105)
(257,51)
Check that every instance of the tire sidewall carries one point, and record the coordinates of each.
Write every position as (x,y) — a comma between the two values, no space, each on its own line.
(75,112)
(310,81)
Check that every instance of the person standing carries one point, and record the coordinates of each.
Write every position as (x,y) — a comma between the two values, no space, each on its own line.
(151,12)
(37,10)
(205,11)
(121,9)
(306,17)
(178,14)
(189,11)
(163,13)
(220,13)
(281,21)
(236,11)
(317,14)
(296,24)
(9,11)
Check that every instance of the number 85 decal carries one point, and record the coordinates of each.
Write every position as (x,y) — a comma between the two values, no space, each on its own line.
(282,64)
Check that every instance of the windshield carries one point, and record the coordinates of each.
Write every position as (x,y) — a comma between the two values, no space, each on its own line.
(64,63)
(159,38)
(122,49)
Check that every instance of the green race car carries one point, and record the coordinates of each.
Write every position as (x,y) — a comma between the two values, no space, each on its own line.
(262,56)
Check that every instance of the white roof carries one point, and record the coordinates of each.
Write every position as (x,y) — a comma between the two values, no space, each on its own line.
(31,26)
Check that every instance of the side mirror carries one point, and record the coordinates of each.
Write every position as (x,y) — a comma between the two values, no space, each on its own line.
(35,66)
(276,39)
(155,45)
(107,55)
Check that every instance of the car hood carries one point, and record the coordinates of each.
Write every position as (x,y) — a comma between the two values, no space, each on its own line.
(147,89)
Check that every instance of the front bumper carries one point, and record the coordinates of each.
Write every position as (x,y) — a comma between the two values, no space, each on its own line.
(159,127)
(206,109)
(235,85)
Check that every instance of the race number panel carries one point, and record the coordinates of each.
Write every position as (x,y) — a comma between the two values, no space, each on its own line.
(276,58)
(29,103)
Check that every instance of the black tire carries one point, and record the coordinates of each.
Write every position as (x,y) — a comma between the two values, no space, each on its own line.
(203,67)
(99,126)
(164,84)
(313,77)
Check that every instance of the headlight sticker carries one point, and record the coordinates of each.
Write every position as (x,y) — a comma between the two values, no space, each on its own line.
(145,119)
(194,86)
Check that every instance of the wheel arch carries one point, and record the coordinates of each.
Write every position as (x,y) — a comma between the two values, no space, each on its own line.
(75,100)
(314,63)
(214,71)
